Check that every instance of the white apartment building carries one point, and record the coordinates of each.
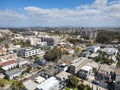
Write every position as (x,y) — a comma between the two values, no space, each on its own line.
(29,52)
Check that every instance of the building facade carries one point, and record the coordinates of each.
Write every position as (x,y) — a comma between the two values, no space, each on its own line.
(29,52)
(13,73)
(77,64)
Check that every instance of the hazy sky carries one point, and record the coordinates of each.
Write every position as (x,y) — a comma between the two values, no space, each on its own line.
(85,13)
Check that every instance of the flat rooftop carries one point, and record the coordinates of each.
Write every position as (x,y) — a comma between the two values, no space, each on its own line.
(13,71)
(39,79)
(30,85)
(63,74)
(86,68)
(48,83)
(79,61)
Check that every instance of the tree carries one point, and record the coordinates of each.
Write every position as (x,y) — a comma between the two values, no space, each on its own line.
(3,82)
(84,87)
(6,45)
(97,59)
(73,82)
(53,54)
(16,85)
(49,56)
(1,69)
(57,52)
(29,68)
(66,88)
(118,63)
(107,61)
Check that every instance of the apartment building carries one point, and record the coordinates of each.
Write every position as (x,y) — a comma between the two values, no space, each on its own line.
(29,52)
(77,64)
(48,39)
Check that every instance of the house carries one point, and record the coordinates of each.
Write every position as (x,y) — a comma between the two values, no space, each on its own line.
(8,64)
(63,76)
(39,79)
(62,67)
(1,75)
(2,52)
(42,44)
(85,53)
(93,49)
(77,64)
(13,73)
(85,72)
(30,85)
(104,69)
(14,47)
(95,66)
(50,84)
(93,55)
(33,66)
(23,62)
(41,62)
(70,51)
(110,51)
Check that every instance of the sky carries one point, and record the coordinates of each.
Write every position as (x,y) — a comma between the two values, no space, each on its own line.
(56,13)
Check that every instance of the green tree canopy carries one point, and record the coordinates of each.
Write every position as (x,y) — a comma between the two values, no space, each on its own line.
(73,82)
(53,54)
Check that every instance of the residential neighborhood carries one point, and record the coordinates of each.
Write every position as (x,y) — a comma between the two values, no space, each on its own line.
(59,44)
(57,63)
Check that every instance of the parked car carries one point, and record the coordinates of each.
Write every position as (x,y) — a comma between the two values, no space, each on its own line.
(25,79)
(96,81)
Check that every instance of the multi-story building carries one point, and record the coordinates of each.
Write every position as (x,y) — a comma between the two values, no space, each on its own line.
(77,64)
(90,34)
(48,39)
(29,52)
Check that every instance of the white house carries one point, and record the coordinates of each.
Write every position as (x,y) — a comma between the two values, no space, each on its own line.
(14,47)
(62,67)
(39,79)
(63,76)
(85,71)
(50,84)
(110,51)
(93,49)
(8,64)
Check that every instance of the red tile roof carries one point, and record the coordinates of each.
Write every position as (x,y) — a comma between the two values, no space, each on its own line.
(7,63)
(1,51)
